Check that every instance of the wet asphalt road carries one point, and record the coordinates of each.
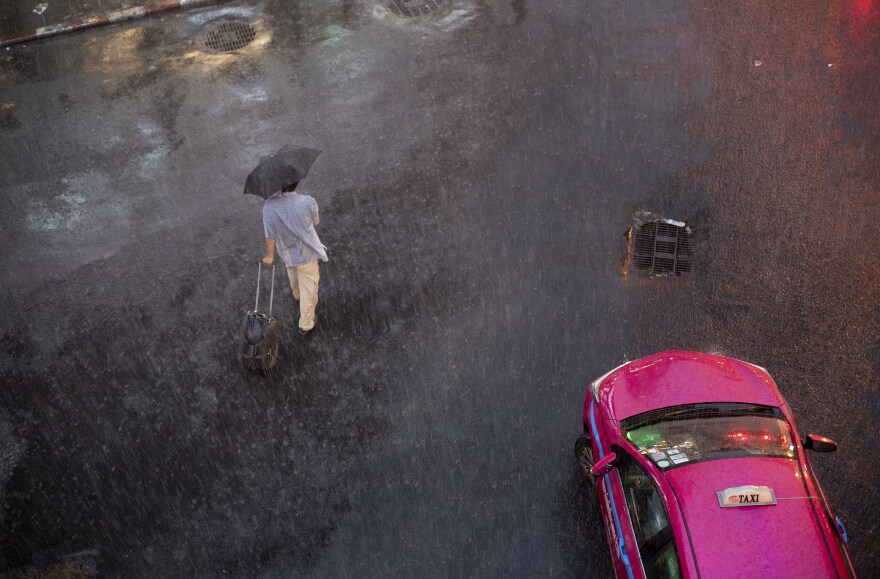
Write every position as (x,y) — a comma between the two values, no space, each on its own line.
(480,168)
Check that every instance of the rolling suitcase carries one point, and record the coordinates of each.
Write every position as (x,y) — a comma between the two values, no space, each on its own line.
(261,334)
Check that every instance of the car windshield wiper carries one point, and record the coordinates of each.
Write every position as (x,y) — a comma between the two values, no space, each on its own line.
(669,416)
(695,411)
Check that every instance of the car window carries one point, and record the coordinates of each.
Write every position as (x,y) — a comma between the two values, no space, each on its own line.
(649,519)
(679,435)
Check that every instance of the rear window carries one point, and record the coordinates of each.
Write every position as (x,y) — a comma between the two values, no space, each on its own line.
(680,435)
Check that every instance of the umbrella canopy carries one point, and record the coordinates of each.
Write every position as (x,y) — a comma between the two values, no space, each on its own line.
(276,171)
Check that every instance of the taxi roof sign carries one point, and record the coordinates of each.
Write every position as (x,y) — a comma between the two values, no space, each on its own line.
(746,496)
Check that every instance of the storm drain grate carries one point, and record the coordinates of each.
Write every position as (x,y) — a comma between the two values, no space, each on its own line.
(230,36)
(663,246)
(413,8)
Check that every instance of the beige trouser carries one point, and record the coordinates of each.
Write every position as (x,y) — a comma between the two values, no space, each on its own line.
(304,283)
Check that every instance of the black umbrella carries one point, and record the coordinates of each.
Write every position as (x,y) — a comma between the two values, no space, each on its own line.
(289,165)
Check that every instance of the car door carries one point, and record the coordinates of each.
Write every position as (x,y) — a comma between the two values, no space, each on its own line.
(610,499)
(645,520)
(833,526)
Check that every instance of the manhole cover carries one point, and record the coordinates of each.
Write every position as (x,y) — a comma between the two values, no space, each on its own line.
(414,7)
(230,36)
(662,246)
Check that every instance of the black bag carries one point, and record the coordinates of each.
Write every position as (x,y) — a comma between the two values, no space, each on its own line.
(261,334)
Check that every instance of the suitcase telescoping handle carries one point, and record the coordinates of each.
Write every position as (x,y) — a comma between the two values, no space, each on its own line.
(271,292)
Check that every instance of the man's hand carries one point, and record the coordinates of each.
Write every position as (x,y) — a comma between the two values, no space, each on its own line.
(270,252)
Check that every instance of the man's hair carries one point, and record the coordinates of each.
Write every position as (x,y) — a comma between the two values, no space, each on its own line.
(290,188)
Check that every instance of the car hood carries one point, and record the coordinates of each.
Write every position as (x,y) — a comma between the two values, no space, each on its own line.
(679,377)
(781,540)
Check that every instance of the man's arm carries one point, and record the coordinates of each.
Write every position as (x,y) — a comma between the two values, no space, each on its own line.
(270,252)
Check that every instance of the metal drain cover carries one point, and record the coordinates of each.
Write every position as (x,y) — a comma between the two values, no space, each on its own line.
(411,8)
(230,36)
(661,246)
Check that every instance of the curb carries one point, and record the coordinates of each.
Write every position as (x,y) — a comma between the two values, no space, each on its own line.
(98,20)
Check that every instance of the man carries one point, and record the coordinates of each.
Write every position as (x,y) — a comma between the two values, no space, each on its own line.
(289,221)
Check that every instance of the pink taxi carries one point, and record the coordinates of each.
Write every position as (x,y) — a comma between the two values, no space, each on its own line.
(700,472)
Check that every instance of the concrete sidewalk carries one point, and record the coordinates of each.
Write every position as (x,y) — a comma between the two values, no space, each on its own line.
(25,20)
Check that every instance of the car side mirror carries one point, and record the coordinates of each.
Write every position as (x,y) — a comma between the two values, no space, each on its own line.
(604,465)
(818,443)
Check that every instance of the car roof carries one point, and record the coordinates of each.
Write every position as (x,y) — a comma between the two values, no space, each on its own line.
(677,377)
(784,539)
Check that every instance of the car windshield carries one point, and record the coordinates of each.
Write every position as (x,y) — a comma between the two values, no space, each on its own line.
(680,435)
